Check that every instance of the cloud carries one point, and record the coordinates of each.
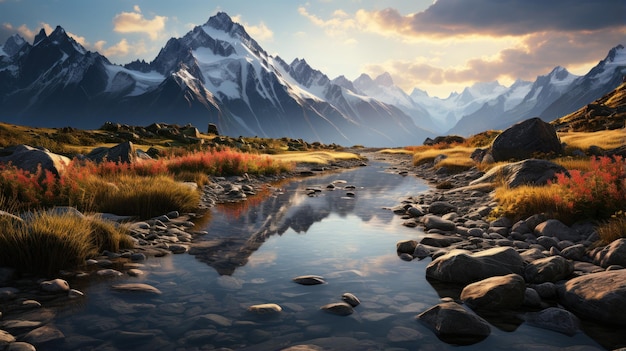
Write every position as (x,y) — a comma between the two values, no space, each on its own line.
(498,18)
(339,24)
(535,55)
(120,49)
(135,22)
(258,32)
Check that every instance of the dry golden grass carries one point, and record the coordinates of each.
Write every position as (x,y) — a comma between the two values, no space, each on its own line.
(613,229)
(406,151)
(607,139)
(525,201)
(457,157)
(47,243)
(315,157)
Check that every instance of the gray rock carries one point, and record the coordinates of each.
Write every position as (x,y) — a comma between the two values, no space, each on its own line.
(351,299)
(44,334)
(137,288)
(421,252)
(121,153)
(29,158)
(20,346)
(462,266)
(266,308)
(5,338)
(439,240)
(556,319)
(531,298)
(547,290)
(547,242)
(527,172)
(309,280)
(415,211)
(598,296)
(556,229)
(441,207)
(574,252)
(613,254)
(455,325)
(549,269)
(406,246)
(532,254)
(495,293)
(338,308)
(8,293)
(526,139)
(434,222)
(403,334)
(55,286)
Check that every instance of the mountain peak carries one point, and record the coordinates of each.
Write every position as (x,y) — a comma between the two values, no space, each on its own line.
(40,36)
(384,80)
(222,21)
(13,44)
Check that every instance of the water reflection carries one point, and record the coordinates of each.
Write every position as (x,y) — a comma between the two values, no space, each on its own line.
(238,230)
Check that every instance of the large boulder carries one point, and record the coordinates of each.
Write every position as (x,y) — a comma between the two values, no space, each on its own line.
(549,269)
(462,266)
(598,296)
(29,158)
(121,153)
(612,254)
(454,324)
(496,293)
(557,229)
(525,140)
(527,172)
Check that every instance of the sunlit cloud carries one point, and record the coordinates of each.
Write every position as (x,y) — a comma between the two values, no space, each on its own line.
(122,48)
(339,24)
(135,22)
(259,32)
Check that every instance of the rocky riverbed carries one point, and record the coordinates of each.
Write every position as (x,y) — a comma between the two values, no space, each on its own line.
(541,266)
(553,275)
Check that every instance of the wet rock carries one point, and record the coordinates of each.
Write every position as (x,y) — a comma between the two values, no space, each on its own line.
(20,346)
(212,319)
(556,319)
(455,325)
(549,269)
(44,334)
(266,308)
(598,296)
(309,280)
(406,246)
(338,308)
(495,293)
(403,334)
(109,273)
(137,287)
(441,207)
(462,266)
(8,293)
(612,254)
(55,286)
(421,252)
(574,252)
(5,338)
(531,298)
(351,299)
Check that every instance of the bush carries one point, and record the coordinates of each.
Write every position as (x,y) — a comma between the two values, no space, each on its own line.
(47,243)
(613,229)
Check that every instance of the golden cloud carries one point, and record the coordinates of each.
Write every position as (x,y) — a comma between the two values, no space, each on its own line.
(258,32)
(135,22)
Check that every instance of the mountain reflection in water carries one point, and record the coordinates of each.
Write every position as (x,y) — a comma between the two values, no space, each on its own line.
(238,230)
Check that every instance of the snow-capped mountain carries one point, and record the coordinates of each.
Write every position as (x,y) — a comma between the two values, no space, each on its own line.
(382,88)
(446,112)
(216,73)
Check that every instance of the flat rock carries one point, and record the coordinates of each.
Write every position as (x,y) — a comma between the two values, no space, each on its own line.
(265,308)
(439,240)
(55,286)
(549,269)
(44,334)
(455,325)
(495,293)
(338,308)
(137,287)
(434,222)
(309,280)
(556,319)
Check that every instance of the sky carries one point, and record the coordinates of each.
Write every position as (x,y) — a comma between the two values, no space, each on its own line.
(438,46)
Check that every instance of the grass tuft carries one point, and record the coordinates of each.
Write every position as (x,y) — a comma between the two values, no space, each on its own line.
(613,229)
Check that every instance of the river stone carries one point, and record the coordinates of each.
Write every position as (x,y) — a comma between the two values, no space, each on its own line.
(20,346)
(462,266)
(338,308)
(532,254)
(109,273)
(415,211)
(526,139)
(434,222)
(556,319)
(266,308)
(556,229)
(303,348)
(598,296)
(441,207)
(5,338)
(547,242)
(613,254)
(406,246)
(455,325)
(55,286)
(532,298)
(421,252)
(351,299)
(549,269)
(439,240)
(137,287)
(403,334)
(309,280)
(8,293)
(44,334)
(495,293)
(574,252)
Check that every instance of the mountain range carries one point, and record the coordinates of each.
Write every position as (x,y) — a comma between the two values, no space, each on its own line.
(218,74)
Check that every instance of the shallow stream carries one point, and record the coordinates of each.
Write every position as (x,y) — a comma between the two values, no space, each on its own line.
(252,252)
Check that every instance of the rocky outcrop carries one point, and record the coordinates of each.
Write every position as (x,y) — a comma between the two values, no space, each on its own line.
(527,172)
(121,153)
(525,140)
(30,159)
